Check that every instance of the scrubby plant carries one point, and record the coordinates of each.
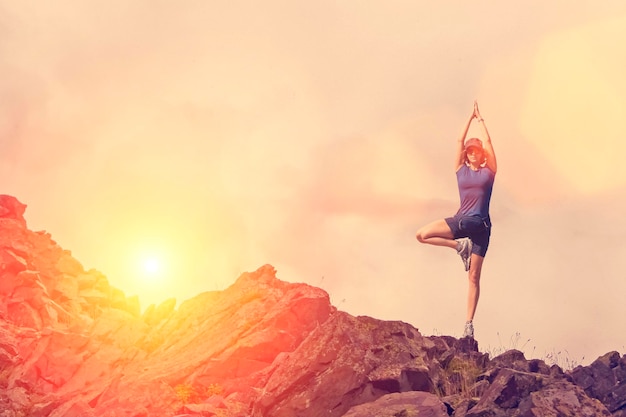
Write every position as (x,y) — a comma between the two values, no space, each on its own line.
(460,377)
(184,393)
(213,389)
(188,394)
(562,359)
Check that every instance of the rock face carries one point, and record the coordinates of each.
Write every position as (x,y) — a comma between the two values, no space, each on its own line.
(72,345)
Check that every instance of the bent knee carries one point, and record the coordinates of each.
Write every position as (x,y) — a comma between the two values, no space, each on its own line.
(420,236)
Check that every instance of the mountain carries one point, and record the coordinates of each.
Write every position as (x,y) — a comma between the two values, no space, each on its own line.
(72,345)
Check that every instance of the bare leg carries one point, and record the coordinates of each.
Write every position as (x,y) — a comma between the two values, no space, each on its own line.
(437,233)
(474,285)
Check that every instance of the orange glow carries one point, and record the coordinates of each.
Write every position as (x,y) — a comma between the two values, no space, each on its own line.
(148,256)
(193,141)
(147,267)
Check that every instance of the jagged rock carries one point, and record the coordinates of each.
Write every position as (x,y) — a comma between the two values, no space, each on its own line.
(406,404)
(18,396)
(604,380)
(67,287)
(345,361)
(560,398)
(505,392)
(8,349)
(511,359)
(11,264)
(73,345)
(154,315)
(515,393)
(11,208)
(67,264)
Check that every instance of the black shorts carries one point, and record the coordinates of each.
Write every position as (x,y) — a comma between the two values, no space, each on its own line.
(478,229)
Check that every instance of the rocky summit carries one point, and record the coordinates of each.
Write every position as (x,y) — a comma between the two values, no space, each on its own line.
(72,345)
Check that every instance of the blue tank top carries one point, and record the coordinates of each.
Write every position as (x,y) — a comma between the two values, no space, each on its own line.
(475,189)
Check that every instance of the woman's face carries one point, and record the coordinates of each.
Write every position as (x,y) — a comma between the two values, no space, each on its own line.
(475,155)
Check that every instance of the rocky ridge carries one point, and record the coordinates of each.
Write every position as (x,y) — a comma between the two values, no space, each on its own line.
(73,345)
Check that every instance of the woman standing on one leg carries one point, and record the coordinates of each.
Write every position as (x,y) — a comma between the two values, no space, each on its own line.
(469,230)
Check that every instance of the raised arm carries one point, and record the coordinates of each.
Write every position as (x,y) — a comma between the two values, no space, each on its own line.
(487,145)
(460,147)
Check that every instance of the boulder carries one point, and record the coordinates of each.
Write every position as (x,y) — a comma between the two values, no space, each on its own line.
(11,208)
(405,404)
(604,380)
(508,388)
(561,398)
(344,362)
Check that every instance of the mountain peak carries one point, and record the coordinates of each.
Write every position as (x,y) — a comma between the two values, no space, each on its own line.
(11,208)
(73,345)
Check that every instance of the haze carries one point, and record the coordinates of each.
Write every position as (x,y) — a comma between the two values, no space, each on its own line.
(215,137)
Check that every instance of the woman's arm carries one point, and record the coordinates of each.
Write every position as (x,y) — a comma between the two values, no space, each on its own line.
(487,145)
(459,160)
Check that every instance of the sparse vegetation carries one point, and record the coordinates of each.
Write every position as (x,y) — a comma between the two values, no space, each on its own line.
(188,394)
(213,389)
(461,375)
(515,342)
(184,392)
(562,359)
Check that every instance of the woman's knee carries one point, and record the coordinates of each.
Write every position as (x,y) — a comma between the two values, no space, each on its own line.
(474,277)
(422,234)
(475,270)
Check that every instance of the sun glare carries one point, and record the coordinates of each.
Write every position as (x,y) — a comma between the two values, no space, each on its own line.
(157,261)
(151,266)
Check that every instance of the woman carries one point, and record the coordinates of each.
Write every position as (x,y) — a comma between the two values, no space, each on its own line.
(468,231)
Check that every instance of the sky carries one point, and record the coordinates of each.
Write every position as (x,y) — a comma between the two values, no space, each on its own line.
(173,146)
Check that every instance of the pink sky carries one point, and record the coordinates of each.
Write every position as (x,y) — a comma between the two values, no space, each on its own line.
(215,137)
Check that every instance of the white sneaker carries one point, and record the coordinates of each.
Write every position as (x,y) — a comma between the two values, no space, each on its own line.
(469,330)
(464,249)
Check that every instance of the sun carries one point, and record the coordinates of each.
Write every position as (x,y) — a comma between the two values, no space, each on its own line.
(151,266)
(151,269)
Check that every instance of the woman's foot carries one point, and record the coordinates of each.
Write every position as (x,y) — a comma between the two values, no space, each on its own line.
(464,249)
(469,330)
